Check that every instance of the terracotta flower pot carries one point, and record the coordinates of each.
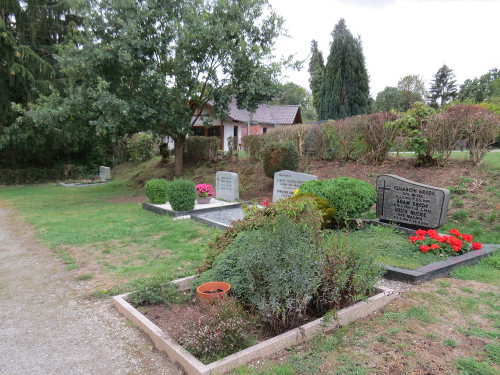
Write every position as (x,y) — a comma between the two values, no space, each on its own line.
(204,200)
(213,289)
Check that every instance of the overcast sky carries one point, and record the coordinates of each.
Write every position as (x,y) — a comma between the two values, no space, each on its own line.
(399,37)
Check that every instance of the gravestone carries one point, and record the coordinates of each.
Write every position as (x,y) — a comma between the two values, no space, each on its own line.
(226,186)
(104,173)
(286,182)
(410,203)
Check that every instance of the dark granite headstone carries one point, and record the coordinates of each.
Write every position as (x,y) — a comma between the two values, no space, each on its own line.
(410,203)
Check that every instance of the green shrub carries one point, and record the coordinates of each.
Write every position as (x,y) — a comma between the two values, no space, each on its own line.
(182,194)
(301,210)
(164,151)
(274,269)
(349,196)
(201,149)
(280,156)
(157,190)
(220,329)
(349,274)
(141,147)
(322,205)
(155,291)
(253,146)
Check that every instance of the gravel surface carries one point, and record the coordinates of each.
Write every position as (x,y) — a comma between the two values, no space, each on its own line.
(49,326)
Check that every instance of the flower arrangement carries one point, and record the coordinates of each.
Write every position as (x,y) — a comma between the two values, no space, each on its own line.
(265,203)
(454,244)
(205,191)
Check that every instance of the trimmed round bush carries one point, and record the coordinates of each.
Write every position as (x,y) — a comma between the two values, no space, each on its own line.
(157,190)
(182,194)
(280,156)
(350,196)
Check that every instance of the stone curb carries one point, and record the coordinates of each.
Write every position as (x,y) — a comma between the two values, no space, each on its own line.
(72,185)
(163,211)
(193,366)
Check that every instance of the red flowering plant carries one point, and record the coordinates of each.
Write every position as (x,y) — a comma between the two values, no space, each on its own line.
(454,244)
(205,191)
(265,203)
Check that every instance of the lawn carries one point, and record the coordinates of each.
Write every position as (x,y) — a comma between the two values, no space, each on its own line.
(105,239)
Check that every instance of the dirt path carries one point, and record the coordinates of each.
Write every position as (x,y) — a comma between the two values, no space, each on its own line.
(47,324)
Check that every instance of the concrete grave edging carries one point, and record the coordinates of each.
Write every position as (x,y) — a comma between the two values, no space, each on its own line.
(193,366)
(164,211)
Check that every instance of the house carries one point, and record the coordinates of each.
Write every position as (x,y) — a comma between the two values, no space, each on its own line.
(240,122)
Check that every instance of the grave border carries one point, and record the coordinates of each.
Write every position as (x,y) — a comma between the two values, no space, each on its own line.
(193,366)
(163,211)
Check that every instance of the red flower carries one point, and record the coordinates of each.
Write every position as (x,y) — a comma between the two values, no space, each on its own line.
(420,232)
(434,246)
(455,232)
(432,232)
(424,248)
(467,237)
(476,246)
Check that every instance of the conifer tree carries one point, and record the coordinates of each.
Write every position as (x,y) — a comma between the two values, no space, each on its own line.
(316,72)
(345,89)
(443,87)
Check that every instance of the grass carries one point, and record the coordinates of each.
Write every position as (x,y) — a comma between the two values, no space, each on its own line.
(88,230)
(487,270)
(392,247)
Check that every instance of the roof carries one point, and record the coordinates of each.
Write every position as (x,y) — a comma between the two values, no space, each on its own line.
(267,114)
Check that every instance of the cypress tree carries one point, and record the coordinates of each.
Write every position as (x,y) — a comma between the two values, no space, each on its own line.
(443,87)
(345,89)
(316,72)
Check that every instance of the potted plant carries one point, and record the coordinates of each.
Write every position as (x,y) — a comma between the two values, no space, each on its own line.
(213,289)
(205,192)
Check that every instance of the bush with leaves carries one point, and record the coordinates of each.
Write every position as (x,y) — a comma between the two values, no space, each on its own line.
(157,190)
(141,147)
(345,140)
(182,194)
(253,145)
(379,132)
(201,149)
(156,291)
(348,274)
(218,330)
(280,156)
(301,210)
(349,196)
(274,269)
(164,151)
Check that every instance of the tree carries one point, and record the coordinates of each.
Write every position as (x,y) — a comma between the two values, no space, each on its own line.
(29,34)
(480,89)
(389,99)
(443,87)
(345,89)
(412,89)
(151,65)
(316,72)
(292,94)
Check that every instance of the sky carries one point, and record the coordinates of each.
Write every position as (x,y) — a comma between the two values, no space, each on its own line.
(399,37)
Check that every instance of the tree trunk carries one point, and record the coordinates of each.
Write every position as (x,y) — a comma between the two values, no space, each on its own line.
(179,141)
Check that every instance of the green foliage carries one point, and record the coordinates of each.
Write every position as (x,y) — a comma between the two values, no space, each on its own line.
(443,87)
(389,99)
(479,89)
(201,149)
(301,210)
(348,275)
(164,151)
(220,329)
(493,352)
(141,147)
(344,139)
(275,269)
(157,190)
(345,89)
(253,145)
(155,291)
(323,206)
(471,366)
(412,89)
(280,156)
(316,73)
(349,196)
(182,194)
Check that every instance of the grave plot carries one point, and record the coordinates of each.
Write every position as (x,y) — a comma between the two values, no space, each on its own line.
(192,366)
(410,206)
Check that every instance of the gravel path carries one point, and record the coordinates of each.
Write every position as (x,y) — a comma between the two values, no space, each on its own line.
(49,326)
